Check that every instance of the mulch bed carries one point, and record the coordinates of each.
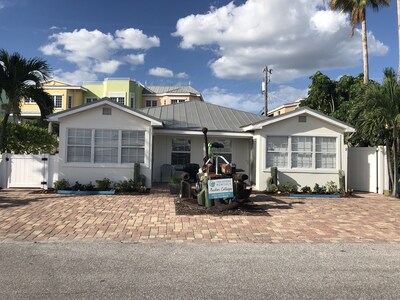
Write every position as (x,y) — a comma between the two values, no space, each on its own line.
(190,207)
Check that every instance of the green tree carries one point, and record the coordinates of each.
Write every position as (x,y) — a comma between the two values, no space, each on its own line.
(357,11)
(27,138)
(21,78)
(379,112)
(321,94)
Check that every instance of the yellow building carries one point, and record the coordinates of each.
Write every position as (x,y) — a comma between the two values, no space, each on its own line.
(64,96)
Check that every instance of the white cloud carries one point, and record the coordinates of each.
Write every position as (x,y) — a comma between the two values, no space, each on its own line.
(182,75)
(295,38)
(134,59)
(132,38)
(253,102)
(107,67)
(245,102)
(164,72)
(161,72)
(95,51)
(76,77)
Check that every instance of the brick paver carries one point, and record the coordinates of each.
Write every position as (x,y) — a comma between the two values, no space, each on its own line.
(25,216)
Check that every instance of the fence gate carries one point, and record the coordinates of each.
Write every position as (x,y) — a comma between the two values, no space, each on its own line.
(28,171)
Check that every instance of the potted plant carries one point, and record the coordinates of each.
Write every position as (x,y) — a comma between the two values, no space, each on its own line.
(174,185)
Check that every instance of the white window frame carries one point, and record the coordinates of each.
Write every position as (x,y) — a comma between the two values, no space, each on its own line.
(90,99)
(69,102)
(151,103)
(189,143)
(118,97)
(314,167)
(29,101)
(175,101)
(55,101)
(119,162)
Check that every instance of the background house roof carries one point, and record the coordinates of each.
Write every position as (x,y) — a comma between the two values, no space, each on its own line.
(169,90)
(194,115)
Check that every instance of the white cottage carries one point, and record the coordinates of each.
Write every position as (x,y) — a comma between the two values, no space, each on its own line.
(104,139)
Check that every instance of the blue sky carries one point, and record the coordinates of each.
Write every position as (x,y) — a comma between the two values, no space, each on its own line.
(219,47)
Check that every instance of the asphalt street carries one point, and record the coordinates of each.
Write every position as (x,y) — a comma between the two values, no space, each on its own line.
(100,270)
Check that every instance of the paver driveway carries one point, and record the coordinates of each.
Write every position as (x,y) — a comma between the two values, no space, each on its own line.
(25,216)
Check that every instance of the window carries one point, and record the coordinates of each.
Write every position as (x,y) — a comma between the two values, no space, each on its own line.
(302,148)
(120,100)
(105,146)
(69,105)
(151,103)
(325,149)
(29,101)
(277,151)
(132,146)
(174,101)
(301,152)
(180,153)
(88,100)
(79,145)
(133,100)
(226,152)
(57,100)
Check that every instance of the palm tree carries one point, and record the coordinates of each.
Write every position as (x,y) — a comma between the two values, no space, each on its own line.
(22,78)
(357,11)
(398,32)
(379,111)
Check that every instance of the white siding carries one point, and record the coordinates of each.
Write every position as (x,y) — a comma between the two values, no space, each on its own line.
(291,127)
(94,119)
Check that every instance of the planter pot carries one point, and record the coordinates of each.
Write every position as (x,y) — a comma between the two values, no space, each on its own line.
(315,195)
(68,192)
(174,188)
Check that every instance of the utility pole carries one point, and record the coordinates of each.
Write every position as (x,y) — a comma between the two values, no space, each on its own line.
(267,75)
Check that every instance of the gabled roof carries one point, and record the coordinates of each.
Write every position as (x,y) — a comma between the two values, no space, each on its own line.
(56,84)
(169,90)
(300,111)
(194,115)
(104,101)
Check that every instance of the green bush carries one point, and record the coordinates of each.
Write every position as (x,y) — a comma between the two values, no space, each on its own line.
(288,187)
(319,189)
(331,187)
(306,189)
(27,138)
(104,184)
(126,186)
(62,184)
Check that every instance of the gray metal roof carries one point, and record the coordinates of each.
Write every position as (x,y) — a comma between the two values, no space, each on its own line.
(169,90)
(194,115)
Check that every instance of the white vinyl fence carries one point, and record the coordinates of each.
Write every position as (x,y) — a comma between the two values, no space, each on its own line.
(367,169)
(28,171)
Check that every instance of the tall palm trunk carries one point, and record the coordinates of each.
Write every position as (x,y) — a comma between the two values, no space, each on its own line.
(365,50)
(3,133)
(398,32)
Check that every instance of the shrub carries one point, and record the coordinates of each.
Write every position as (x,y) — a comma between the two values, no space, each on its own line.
(88,187)
(126,186)
(62,184)
(331,187)
(319,189)
(175,179)
(288,187)
(27,138)
(77,186)
(306,189)
(104,184)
